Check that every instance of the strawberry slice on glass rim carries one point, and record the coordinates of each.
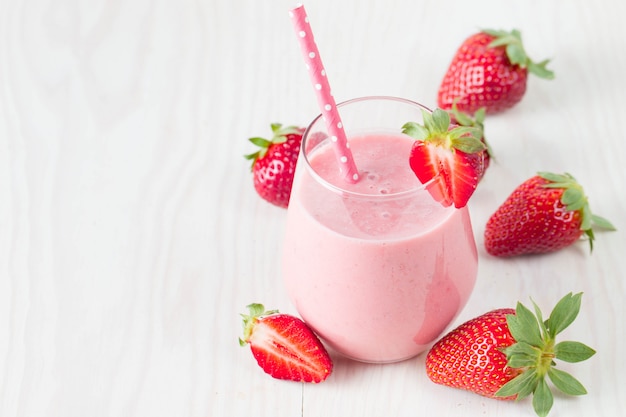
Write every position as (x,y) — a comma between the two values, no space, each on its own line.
(449,155)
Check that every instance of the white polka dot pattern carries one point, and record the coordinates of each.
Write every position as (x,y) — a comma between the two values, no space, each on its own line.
(325,99)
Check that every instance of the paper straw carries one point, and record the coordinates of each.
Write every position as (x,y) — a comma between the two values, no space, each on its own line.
(325,99)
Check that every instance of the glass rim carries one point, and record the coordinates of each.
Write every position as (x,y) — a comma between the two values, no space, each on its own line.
(341,190)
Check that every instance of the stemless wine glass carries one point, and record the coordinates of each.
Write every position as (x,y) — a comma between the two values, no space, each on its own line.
(378,269)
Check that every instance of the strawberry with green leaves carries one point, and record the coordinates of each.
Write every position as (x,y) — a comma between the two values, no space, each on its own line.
(284,346)
(490,70)
(510,354)
(544,214)
(451,155)
(274,164)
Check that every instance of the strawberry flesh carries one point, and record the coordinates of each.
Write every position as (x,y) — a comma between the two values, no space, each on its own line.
(455,172)
(450,156)
(286,348)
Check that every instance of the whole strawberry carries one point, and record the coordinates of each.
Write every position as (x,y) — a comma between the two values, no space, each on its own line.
(545,213)
(507,354)
(471,357)
(452,156)
(284,346)
(489,70)
(274,164)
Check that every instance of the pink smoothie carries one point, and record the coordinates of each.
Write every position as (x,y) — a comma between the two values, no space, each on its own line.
(377,280)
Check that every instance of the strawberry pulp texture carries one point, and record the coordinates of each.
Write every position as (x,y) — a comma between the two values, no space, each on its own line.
(451,154)
(284,346)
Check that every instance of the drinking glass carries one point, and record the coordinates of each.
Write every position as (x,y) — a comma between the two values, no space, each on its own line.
(378,268)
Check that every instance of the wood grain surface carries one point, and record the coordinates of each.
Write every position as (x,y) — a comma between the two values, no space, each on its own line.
(131,237)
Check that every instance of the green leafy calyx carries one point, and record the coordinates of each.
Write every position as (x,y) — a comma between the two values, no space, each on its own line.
(512,42)
(476,120)
(437,130)
(574,199)
(256,311)
(536,350)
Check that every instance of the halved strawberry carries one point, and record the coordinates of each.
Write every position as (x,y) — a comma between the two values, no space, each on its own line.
(284,346)
(453,156)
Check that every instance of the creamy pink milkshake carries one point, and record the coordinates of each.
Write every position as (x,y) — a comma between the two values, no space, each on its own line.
(378,268)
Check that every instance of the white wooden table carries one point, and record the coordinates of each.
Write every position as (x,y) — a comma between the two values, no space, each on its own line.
(131,237)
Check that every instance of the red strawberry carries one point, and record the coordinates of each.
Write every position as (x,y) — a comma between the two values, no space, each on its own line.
(545,213)
(489,70)
(470,357)
(274,164)
(284,346)
(507,354)
(452,155)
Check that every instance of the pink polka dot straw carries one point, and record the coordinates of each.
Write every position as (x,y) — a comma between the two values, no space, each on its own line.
(325,99)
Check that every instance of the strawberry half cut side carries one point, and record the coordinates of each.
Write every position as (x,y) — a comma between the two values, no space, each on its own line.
(452,155)
(284,346)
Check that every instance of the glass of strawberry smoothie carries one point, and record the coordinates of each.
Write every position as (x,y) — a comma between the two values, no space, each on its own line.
(378,268)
